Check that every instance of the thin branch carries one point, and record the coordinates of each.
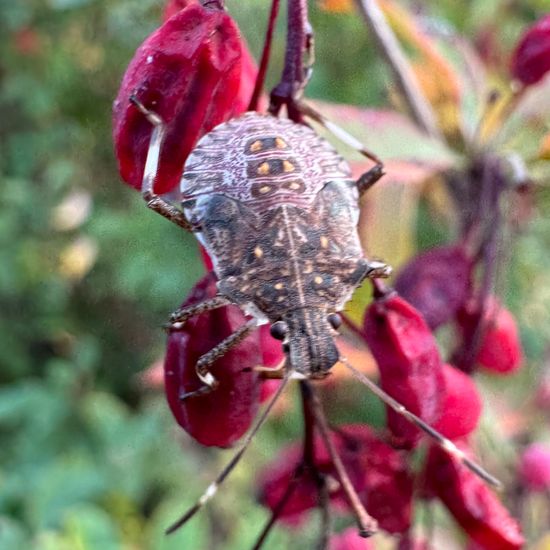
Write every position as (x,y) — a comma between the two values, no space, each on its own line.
(420,109)
(367,525)
(266,52)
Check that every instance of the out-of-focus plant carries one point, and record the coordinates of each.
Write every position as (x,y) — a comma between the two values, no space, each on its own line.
(90,456)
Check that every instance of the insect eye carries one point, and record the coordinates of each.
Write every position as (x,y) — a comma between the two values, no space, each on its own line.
(278,330)
(335,320)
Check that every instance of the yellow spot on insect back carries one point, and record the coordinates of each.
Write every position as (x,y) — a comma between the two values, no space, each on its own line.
(280,143)
(263,169)
(318,280)
(323,241)
(288,166)
(279,286)
(256,146)
(265,189)
(258,252)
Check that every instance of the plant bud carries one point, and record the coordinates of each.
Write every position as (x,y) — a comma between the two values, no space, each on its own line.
(409,363)
(534,467)
(221,417)
(188,72)
(531,57)
(436,283)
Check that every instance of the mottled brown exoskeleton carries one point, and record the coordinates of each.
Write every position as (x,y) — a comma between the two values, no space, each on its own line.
(277,209)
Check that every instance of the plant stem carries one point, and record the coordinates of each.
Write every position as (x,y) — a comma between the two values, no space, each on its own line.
(405,79)
(294,76)
(266,52)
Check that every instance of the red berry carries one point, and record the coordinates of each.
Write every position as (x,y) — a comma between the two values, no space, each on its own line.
(461,406)
(220,417)
(534,467)
(493,338)
(188,72)
(437,283)
(409,363)
(473,505)
(531,57)
(378,473)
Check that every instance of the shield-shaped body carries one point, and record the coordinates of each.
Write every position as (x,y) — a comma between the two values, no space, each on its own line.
(277,211)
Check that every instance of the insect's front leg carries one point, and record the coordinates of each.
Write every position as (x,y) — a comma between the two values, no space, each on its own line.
(369,178)
(179,317)
(154,201)
(207,360)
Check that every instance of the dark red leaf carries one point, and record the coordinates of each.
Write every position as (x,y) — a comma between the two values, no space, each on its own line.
(473,505)
(378,473)
(188,72)
(531,57)
(409,362)
(222,416)
(437,283)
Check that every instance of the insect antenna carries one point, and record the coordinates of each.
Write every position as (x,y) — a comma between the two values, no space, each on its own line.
(213,487)
(446,444)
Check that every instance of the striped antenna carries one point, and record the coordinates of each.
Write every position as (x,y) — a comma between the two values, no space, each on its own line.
(213,487)
(446,444)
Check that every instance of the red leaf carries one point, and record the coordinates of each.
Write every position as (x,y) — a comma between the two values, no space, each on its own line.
(473,505)
(378,473)
(222,416)
(188,72)
(461,407)
(409,362)
(437,283)
(531,57)
(349,540)
(494,337)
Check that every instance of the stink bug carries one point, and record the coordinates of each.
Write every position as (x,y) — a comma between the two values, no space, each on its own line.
(276,208)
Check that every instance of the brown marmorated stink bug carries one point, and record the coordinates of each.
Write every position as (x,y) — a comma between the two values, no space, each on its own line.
(276,208)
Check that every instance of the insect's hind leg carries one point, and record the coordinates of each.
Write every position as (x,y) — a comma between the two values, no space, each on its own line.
(207,360)
(154,201)
(376,270)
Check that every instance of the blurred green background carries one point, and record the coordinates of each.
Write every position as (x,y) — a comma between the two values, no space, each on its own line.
(90,457)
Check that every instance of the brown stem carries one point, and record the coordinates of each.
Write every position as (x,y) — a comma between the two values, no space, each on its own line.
(405,79)
(266,52)
(289,491)
(367,525)
(294,76)
(311,467)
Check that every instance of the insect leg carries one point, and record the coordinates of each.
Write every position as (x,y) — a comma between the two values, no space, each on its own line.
(154,201)
(376,269)
(446,444)
(212,489)
(369,178)
(208,359)
(179,317)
